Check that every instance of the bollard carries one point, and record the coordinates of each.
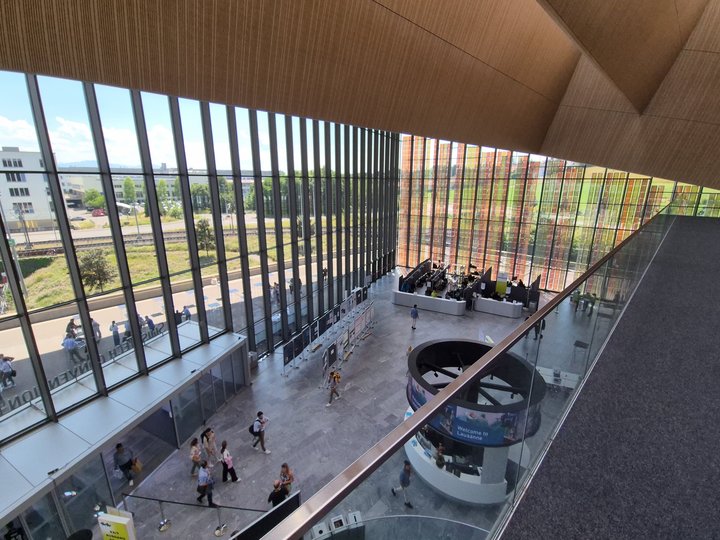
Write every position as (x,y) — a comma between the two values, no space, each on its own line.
(164,523)
(222,527)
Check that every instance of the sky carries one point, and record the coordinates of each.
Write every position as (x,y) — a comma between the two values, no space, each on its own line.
(70,136)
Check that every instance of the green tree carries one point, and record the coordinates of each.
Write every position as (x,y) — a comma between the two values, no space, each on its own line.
(200,196)
(205,236)
(163,195)
(94,199)
(95,269)
(129,190)
(249,199)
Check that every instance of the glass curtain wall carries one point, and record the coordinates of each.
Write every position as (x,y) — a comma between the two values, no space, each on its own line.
(523,215)
(135,226)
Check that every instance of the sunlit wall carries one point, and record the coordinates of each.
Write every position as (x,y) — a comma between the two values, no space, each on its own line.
(523,215)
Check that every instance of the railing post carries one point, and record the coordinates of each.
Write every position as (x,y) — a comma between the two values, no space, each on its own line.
(164,522)
(222,527)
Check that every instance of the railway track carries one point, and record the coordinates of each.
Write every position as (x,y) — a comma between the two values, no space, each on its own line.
(55,247)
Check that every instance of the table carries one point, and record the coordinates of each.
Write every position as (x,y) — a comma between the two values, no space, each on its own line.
(498,307)
(441,305)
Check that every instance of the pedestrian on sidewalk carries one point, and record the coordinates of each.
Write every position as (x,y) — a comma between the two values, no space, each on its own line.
(334,381)
(277,495)
(286,478)
(195,457)
(73,347)
(115,333)
(538,328)
(414,315)
(404,483)
(205,485)
(227,463)
(124,459)
(7,371)
(259,431)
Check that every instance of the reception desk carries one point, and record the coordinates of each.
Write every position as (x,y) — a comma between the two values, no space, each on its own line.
(497,307)
(441,305)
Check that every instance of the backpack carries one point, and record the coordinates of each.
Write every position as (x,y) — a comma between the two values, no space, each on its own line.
(251,429)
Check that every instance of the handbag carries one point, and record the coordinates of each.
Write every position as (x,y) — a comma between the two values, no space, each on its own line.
(13,373)
(117,473)
(137,466)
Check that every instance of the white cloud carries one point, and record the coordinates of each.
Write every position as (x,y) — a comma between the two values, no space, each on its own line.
(122,147)
(18,133)
(71,141)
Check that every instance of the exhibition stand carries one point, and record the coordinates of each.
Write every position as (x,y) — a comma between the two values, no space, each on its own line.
(464,451)
(498,307)
(441,305)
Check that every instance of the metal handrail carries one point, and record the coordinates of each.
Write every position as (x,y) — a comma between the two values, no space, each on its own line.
(166,501)
(300,521)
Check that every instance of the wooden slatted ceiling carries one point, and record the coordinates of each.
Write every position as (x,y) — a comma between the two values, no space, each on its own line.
(491,72)
(677,137)
(357,61)
(634,42)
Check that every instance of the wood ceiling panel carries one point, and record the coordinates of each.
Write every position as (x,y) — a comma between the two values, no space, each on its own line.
(635,43)
(356,62)
(517,38)
(706,36)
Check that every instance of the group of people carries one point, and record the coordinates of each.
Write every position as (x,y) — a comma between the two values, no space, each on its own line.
(183,315)
(143,322)
(204,455)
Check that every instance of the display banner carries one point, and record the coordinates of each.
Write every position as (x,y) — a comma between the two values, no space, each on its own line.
(473,426)
(322,324)
(298,346)
(336,314)
(358,296)
(116,525)
(332,354)
(313,331)
(306,337)
(287,353)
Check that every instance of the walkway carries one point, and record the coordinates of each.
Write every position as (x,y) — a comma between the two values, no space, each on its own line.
(317,441)
(638,454)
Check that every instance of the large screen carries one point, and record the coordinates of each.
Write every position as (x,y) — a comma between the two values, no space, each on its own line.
(476,427)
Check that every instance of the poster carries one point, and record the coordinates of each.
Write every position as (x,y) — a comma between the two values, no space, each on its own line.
(332,354)
(314,331)
(483,428)
(306,337)
(298,346)
(287,353)
(358,296)
(116,525)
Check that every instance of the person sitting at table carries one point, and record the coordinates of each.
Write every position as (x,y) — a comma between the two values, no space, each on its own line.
(434,293)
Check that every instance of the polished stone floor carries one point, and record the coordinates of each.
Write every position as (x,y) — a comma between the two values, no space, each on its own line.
(317,441)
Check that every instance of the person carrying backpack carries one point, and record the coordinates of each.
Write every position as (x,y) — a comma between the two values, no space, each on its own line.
(257,429)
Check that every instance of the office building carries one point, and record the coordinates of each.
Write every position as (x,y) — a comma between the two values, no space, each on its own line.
(187,187)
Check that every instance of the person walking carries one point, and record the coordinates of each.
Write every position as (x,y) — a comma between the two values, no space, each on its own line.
(404,483)
(7,371)
(414,315)
(538,328)
(124,459)
(150,325)
(259,431)
(277,495)
(205,485)
(286,478)
(334,381)
(195,457)
(207,438)
(186,313)
(115,333)
(227,463)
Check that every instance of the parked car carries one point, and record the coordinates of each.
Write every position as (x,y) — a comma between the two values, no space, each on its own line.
(98,212)
(78,218)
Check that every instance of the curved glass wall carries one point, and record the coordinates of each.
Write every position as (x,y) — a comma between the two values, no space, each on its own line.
(523,215)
